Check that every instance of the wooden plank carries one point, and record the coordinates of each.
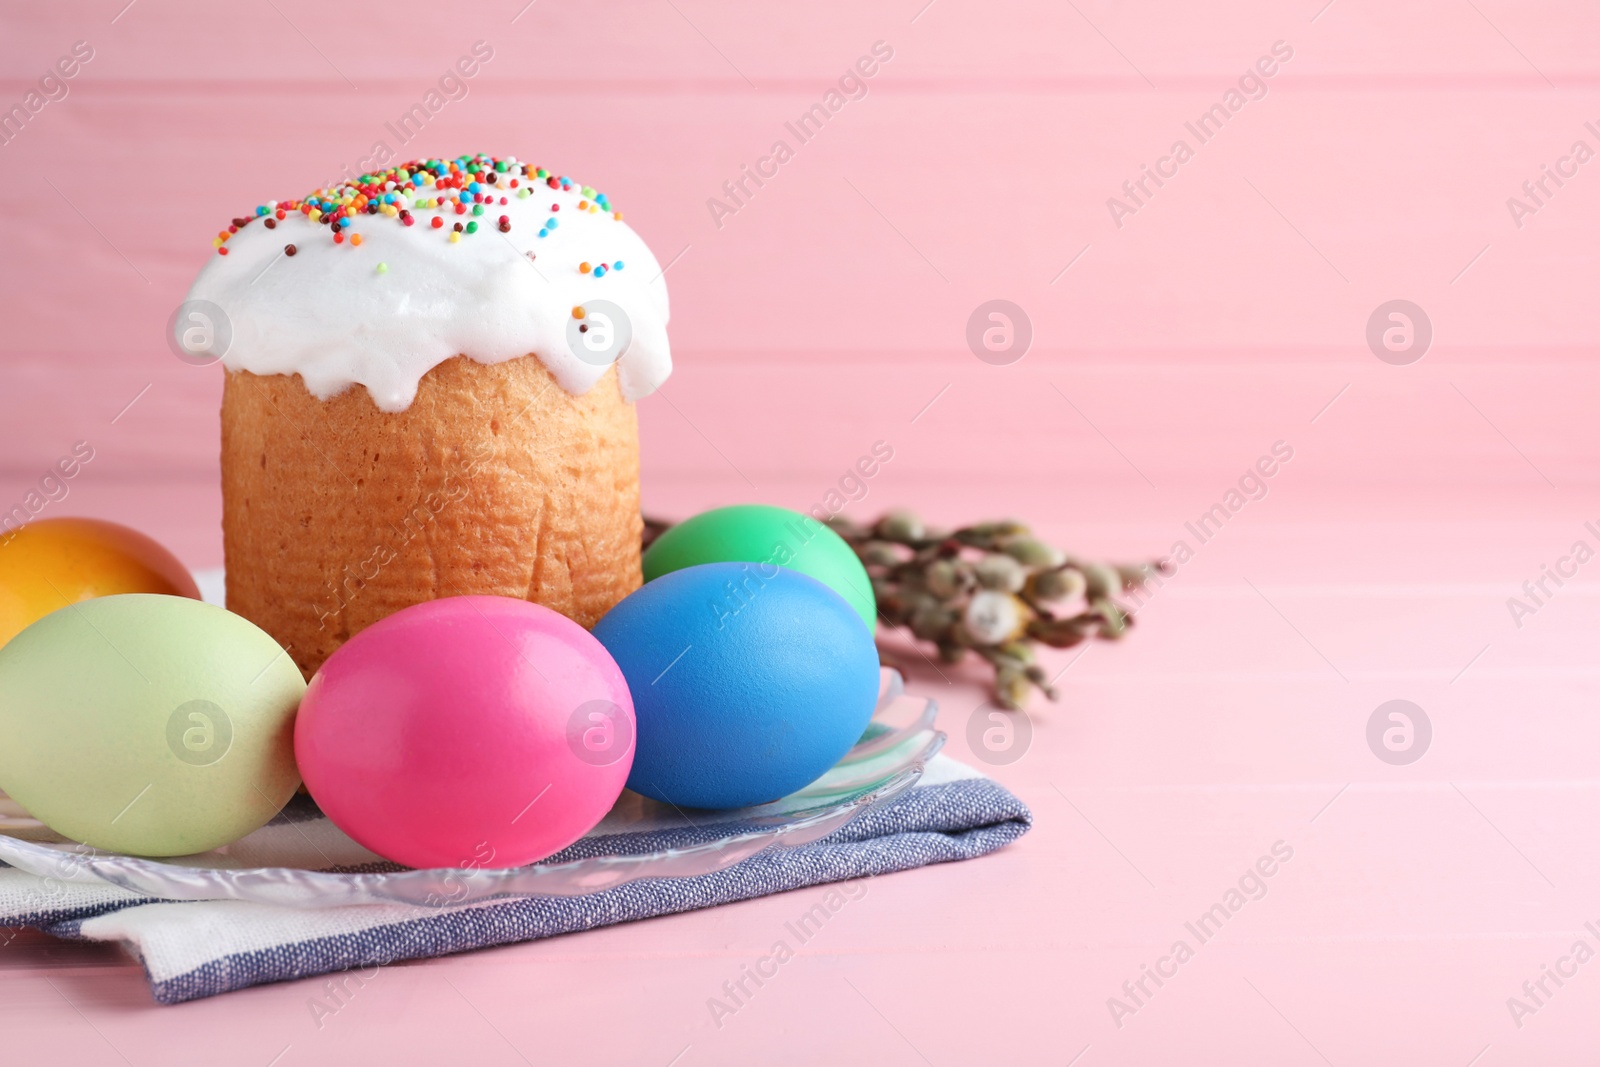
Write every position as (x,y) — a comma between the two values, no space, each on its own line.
(725,43)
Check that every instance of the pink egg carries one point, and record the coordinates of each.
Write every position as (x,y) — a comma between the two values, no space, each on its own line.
(475,731)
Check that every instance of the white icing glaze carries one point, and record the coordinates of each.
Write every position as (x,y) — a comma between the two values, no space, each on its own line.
(327,314)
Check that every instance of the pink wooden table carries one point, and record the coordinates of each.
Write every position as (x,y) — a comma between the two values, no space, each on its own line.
(1228,311)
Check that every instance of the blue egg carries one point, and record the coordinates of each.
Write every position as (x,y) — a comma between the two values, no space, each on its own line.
(749,681)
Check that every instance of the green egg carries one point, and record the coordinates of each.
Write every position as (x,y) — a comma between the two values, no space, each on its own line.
(760,533)
(148,724)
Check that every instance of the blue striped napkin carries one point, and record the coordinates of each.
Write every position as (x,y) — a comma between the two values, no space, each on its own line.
(199,949)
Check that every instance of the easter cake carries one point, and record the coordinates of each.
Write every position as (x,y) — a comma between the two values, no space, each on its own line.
(431,373)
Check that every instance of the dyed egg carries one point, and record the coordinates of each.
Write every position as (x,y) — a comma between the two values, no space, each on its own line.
(474,731)
(759,533)
(54,562)
(749,682)
(147,724)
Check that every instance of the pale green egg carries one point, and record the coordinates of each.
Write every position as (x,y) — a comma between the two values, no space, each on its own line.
(148,724)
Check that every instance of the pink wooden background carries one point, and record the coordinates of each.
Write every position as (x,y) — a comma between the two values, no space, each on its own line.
(1226,314)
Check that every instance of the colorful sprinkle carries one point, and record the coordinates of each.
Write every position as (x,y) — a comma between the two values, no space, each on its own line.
(383,268)
(289,250)
(453,186)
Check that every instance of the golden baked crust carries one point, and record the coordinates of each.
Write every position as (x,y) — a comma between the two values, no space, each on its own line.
(494,481)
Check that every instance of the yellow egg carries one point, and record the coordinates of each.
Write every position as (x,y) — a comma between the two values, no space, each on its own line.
(152,725)
(51,563)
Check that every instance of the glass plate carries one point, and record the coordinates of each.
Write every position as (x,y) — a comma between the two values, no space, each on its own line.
(302,860)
